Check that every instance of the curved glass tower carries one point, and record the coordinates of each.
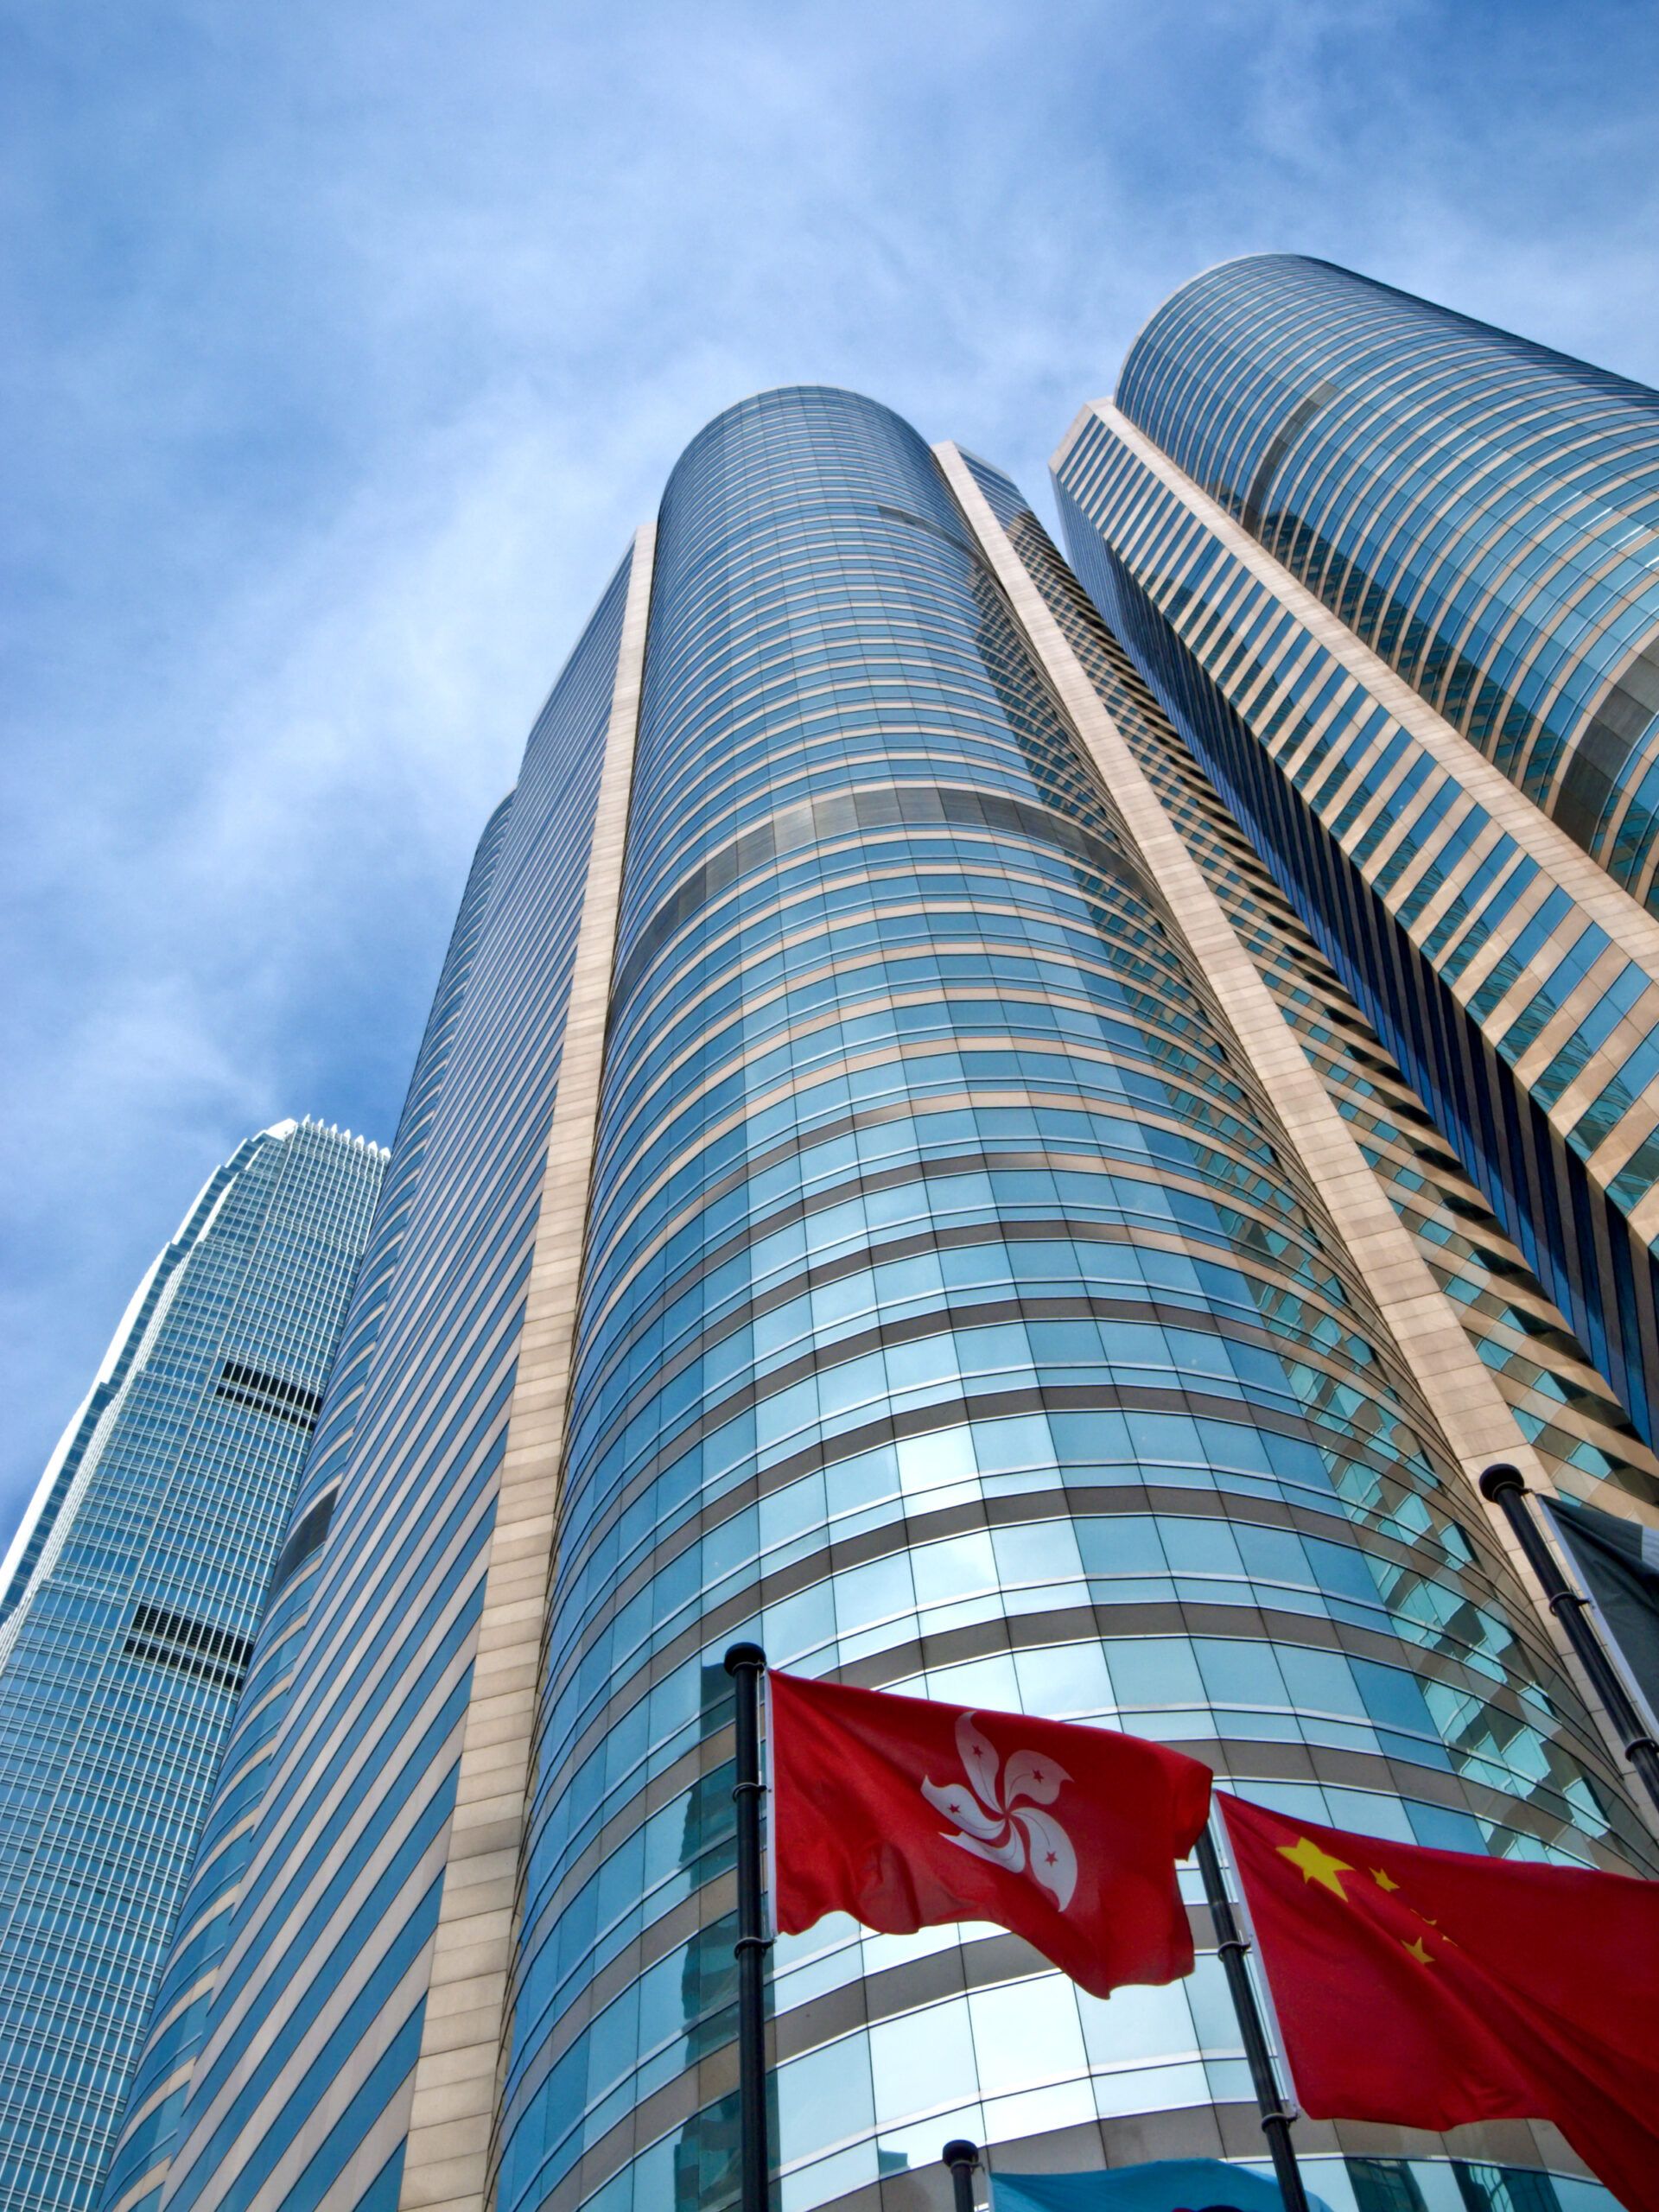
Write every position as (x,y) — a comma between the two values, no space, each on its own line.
(1395,577)
(182,2013)
(954,1316)
(1482,512)
(138,1578)
(856,1207)
(280,2067)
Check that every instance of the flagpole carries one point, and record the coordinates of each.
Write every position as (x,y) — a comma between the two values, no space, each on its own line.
(1503,1486)
(746,1663)
(962,2158)
(1275,2116)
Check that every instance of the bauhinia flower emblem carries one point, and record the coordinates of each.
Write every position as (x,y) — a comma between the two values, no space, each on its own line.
(998,1820)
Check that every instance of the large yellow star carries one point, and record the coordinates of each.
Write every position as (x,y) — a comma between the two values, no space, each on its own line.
(1420,1952)
(1317,1866)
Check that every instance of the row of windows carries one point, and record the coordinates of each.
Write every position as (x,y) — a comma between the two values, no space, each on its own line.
(1564,1407)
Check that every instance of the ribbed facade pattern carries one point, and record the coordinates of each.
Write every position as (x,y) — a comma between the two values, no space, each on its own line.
(141,1582)
(184,2009)
(1526,1023)
(1564,1407)
(955,1316)
(1482,512)
(300,2090)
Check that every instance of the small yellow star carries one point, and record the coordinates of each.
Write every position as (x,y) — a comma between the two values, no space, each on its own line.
(1317,1866)
(1384,1881)
(1420,1952)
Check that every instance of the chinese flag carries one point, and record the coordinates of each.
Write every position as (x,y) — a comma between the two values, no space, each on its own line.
(1432,1987)
(906,1814)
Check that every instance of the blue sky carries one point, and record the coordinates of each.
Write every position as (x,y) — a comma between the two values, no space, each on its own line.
(347,342)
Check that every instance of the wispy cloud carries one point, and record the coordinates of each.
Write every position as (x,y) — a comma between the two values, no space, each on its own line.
(349,343)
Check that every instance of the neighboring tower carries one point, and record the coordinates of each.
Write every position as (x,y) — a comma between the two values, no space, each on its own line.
(1395,577)
(1482,512)
(1562,1404)
(135,1584)
(867,1199)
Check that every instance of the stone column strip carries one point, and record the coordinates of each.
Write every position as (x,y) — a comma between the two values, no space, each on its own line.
(452,2110)
(1460,1392)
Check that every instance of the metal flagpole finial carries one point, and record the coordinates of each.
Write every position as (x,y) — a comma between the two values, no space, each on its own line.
(1502,1484)
(962,2158)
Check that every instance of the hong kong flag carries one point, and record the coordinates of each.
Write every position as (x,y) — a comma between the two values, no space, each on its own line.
(906,1814)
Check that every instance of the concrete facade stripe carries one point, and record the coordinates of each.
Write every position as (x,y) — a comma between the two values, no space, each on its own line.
(1458,1390)
(453,2100)
(1486,957)
(1565,1022)
(1482,847)
(1625,1038)
(1499,798)
(1503,1011)
(334,2100)
(270,2027)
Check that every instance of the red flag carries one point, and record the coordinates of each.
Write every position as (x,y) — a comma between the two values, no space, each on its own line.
(1433,1987)
(906,1814)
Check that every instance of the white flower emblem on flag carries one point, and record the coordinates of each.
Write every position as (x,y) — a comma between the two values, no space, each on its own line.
(999,1820)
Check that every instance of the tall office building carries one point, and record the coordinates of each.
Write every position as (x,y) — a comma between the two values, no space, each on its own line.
(890,1174)
(132,1590)
(1393,575)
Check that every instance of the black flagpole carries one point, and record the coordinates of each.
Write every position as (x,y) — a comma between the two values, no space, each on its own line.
(1276,2118)
(1503,1486)
(746,1663)
(962,2158)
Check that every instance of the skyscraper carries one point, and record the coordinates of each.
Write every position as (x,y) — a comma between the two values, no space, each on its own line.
(889,1175)
(1393,574)
(1478,511)
(133,1588)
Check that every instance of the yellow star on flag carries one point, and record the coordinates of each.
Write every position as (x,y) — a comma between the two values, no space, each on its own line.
(1384,1881)
(1316,1865)
(1420,1951)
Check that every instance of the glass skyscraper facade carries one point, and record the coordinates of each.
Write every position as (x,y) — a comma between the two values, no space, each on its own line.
(1510,977)
(1480,512)
(901,1169)
(134,1586)
(280,2062)
(1547,1379)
